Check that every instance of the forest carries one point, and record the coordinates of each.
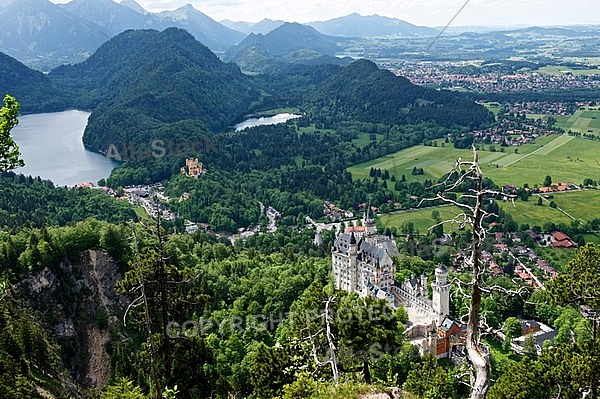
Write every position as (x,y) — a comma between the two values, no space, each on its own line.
(25,201)
(193,315)
(242,320)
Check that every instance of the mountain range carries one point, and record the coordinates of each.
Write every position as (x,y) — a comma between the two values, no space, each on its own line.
(355,25)
(289,43)
(44,35)
(264,26)
(144,84)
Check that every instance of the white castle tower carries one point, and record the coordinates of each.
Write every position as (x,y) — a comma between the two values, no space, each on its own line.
(369,222)
(441,293)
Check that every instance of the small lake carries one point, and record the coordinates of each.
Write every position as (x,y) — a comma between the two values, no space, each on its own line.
(266,120)
(51,147)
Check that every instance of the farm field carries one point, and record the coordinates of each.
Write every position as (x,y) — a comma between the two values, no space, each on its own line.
(561,70)
(585,120)
(582,205)
(532,214)
(421,218)
(565,158)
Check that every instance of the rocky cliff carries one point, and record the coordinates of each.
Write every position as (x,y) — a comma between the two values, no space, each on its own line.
(80,305)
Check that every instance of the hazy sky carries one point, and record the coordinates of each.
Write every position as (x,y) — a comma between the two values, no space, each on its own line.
(421,12)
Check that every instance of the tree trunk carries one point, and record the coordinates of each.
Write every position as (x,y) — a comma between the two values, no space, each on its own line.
(148,322)
(366,371)
(479,360)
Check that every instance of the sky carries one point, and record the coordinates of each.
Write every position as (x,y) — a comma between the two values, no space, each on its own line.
(419,12)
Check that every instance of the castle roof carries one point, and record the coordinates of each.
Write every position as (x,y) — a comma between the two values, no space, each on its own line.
(446,324)
(380,248)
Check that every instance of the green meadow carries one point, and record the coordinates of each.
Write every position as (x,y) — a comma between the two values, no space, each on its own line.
(494,107)
(586,120)
(421,218)
(565,158)
(582,205)
(532,214)
(562,70)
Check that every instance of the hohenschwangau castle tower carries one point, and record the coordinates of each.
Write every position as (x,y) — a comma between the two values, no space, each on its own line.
(362,262)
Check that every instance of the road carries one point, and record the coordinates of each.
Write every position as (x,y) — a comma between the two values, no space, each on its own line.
(528,270)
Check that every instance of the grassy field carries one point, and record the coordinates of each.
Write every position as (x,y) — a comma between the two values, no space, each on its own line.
(493,107)
(561,70)
(586,120)
(421,218)
(557,257)
(532,214)
(563,157)
(141,213)
(592,237)
(582,205)
(364,139)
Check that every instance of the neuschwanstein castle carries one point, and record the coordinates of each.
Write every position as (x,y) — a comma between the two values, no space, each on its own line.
(363,263)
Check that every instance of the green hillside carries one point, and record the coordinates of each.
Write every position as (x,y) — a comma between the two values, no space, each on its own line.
(564,158)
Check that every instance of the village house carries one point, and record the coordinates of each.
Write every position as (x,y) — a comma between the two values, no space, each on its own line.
(532,328)
(561,240)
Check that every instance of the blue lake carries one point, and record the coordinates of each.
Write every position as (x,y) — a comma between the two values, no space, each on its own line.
(266,120)
(52,148)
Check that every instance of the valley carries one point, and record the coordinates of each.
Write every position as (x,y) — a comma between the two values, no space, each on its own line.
(356,207)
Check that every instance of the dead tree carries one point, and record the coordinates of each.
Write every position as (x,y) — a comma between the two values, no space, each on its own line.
(473,215)
(332,350)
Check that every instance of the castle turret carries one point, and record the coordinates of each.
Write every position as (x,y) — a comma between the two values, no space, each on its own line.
(441,293)
(353,267)
(369,222)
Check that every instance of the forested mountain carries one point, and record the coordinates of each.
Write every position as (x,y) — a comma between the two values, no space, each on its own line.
(146,85)
(33,89)
(366,93)
(356,25)
(288,38)
(42,34)
(290,43)
(143,81)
